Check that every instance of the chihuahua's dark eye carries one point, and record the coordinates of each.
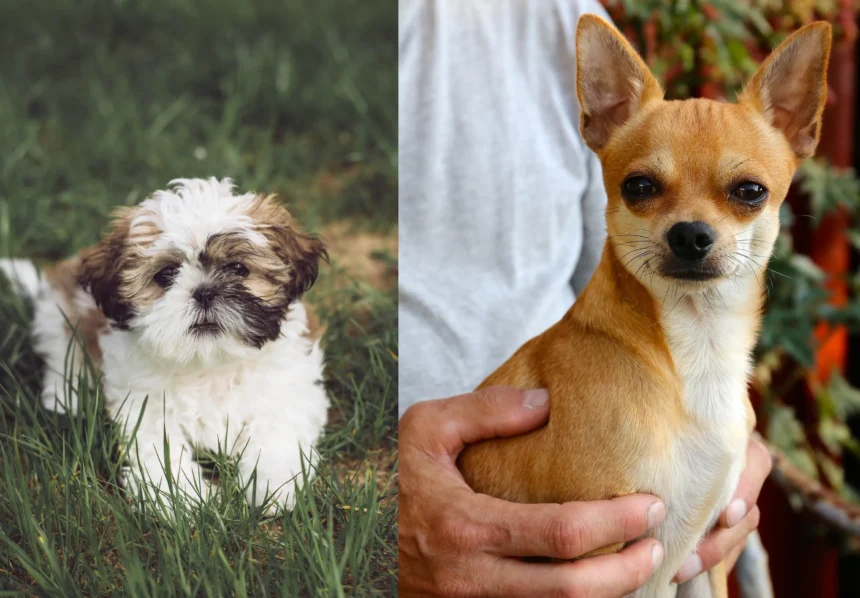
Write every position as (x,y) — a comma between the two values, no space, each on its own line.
(749,192)
(639,187)
(164,278)
(238,269)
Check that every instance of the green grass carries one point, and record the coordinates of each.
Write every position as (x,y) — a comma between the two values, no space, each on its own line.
(103,102)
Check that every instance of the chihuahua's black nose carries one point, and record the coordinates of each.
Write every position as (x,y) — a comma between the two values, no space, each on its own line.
(205,296)
(691,240)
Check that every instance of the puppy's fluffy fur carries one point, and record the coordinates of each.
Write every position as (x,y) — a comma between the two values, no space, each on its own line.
(191,307)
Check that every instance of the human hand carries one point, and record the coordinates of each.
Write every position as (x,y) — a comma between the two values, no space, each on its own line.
(454,542)
(740,518)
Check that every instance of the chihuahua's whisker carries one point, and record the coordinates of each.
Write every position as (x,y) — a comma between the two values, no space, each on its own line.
(720,295)
(749,267)
(646,248)
(736,274)
(752,254)
(708,301)
(676,303)
(625,235)
(755,264)
(738,261)
(761,267)
(748,260)
(753,243)
(643,265)
(737,165)
(780,274)
(641,256)
(645,232)
(616,245)
(634,251)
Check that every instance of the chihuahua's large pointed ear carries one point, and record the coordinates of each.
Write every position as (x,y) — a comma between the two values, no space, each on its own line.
(790,88)
(612,81)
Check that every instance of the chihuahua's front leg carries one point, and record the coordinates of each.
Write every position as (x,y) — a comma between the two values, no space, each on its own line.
(711,584)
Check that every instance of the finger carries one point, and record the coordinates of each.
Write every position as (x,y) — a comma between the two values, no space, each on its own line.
(734,555)
(606,576)
(569,530)
(717,546)
(758,465)
(452,423)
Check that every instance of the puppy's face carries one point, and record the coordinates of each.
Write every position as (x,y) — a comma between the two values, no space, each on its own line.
(694,187)
(201,273)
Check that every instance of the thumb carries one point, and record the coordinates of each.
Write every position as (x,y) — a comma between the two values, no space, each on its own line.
(489,413)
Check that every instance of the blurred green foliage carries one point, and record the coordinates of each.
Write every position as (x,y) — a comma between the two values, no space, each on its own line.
(104,102)
(710,47)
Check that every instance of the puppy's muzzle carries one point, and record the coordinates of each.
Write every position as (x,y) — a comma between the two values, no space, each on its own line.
(205,296)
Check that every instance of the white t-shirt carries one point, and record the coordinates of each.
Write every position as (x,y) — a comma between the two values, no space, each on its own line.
(501,203)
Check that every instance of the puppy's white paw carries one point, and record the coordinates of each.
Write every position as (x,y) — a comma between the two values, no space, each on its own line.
(61,405)
(278,494)
(270,480)
(55,394)
(150,482)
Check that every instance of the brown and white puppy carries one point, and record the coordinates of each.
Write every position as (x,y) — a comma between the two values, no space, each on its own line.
(191,306)
(647,373)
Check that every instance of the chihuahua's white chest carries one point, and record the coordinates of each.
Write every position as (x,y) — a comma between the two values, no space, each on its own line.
(710,346)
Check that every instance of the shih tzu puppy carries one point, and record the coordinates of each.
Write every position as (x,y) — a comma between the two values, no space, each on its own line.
(190,306)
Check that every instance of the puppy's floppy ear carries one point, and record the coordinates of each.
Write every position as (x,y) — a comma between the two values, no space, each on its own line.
(612,81)
(299,251)
(304,253)
(100,271)
(790,87)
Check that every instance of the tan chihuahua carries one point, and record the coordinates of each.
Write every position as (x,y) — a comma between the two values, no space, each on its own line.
(647,373)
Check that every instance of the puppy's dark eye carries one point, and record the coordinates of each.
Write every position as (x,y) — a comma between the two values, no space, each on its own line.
(238,269)
(749,192)
(165,277)
(638,187)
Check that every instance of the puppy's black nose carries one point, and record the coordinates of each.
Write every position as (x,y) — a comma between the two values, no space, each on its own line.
(691,240)
(205,296)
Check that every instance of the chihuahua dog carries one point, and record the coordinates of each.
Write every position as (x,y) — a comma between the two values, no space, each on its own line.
(647,373)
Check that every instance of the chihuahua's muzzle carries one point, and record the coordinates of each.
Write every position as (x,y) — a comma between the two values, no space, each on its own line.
(690,244)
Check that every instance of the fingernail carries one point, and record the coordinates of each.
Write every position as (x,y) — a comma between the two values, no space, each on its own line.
(656,515)
(657,555)
(690,569)
(536,399)
(736,512)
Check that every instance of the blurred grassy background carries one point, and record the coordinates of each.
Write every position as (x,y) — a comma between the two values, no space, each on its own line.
(103,102)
